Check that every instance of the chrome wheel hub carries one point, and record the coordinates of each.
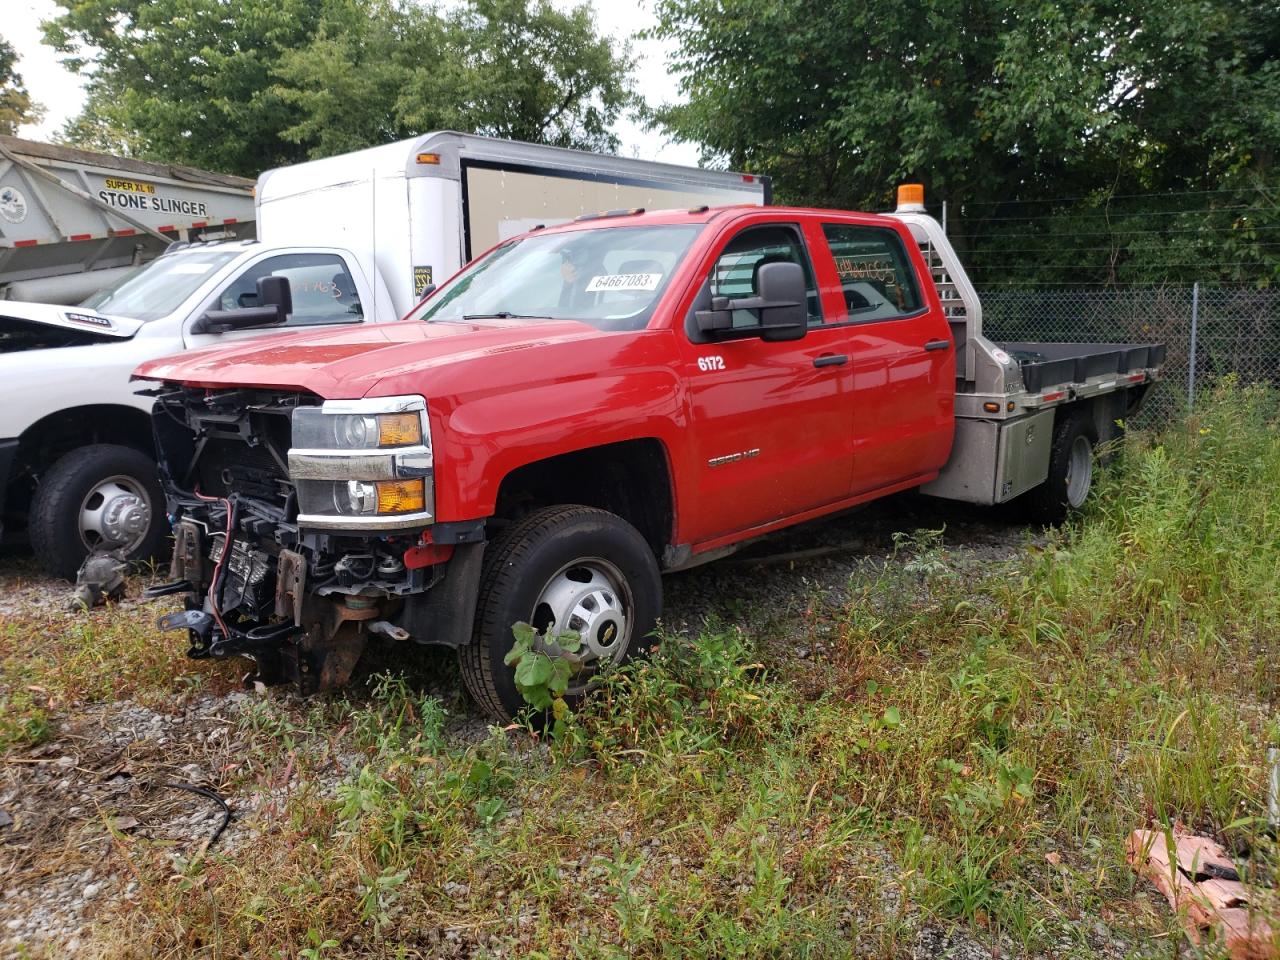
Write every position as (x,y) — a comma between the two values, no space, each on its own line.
(115,513)
(589,598)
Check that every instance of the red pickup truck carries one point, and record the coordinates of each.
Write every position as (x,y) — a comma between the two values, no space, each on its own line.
(585,407)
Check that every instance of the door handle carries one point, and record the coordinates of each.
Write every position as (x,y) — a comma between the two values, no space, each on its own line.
(831,360)
(937,344)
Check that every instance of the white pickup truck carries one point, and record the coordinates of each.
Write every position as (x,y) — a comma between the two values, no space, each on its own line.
(77,467)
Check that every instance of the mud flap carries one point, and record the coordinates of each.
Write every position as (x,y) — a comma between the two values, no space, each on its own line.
(446,613)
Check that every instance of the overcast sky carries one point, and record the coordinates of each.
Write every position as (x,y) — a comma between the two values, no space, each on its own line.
(62,94)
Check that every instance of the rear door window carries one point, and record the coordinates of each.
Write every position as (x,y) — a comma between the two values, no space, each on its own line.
(876,277)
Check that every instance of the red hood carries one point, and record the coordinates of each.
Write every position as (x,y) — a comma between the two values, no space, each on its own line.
(346,362)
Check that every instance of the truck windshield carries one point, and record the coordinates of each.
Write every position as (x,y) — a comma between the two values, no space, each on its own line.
(156,289)
(609,277)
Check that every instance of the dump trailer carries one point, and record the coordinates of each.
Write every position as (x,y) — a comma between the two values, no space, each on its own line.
(73,222)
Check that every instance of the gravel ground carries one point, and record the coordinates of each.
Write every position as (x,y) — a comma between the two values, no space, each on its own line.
(112,768)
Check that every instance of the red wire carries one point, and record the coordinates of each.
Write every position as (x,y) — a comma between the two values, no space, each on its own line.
(217,569)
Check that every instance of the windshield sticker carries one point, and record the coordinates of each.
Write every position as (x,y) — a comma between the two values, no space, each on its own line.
(90,318)
(647,282)
(192,268)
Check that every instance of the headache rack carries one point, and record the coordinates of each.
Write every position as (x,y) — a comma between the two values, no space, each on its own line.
(996,380)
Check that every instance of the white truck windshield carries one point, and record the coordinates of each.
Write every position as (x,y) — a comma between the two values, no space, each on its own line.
(608,277)
(156,289)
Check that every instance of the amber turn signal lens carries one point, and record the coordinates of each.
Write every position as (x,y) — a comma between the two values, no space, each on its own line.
(399,429)
(401,496)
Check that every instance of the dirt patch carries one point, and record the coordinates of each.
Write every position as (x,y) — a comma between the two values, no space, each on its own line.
(113,775)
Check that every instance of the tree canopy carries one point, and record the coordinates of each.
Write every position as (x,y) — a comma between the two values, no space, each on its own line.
(243,85)
(1001,106)
(16,105)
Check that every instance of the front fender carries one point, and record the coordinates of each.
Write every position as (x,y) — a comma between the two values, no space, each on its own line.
(489,438)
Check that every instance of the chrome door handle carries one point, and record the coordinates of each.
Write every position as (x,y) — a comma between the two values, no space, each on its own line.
(831,360)
(937,344)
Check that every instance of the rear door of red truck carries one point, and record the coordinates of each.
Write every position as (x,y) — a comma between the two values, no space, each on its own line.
(903,356)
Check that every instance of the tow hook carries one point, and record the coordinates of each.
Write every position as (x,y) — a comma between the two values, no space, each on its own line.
(389,630)
(385,629)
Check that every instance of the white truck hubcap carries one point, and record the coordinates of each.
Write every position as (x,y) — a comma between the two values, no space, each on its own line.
(115,513)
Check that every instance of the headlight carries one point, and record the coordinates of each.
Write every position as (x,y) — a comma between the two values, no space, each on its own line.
(363,464)
(315,428)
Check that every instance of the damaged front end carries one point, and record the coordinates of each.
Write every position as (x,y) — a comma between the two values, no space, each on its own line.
(301,526)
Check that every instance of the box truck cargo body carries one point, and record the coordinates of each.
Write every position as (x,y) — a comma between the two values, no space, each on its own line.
(423,207)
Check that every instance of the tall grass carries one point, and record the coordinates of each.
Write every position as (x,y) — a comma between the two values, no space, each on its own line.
(970,757)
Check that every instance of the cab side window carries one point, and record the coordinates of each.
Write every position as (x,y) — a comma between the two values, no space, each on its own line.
(323,290)
(875,274)
(736,272)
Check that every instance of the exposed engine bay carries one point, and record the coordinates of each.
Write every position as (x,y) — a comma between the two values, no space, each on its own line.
(18,334)
(300,602)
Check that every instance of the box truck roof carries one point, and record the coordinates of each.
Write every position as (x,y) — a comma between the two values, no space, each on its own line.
(445,154)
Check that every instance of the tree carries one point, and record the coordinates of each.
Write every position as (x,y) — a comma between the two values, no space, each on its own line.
(243,85)
(506,68)
(186,81)
(16,105)
(530,72)
(994,104)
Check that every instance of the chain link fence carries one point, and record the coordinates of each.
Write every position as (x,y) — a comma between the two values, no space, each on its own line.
(1209,331)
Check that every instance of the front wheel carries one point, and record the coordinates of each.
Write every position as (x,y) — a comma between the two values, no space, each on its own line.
(100,496)
(561,569)
(1071,463)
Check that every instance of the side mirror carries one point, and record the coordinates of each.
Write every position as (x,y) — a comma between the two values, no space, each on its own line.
(781,301)
(275,298)
(784,314)
(427,291)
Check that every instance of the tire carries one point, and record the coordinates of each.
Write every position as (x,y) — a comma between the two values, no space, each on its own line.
(120,477)
(537,559)
(1065,490)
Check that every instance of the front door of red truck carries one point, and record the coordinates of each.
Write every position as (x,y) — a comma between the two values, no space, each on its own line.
(771,426)
(903,355)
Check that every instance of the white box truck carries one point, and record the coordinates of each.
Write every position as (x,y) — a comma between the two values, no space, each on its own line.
(419,209)
(351,239)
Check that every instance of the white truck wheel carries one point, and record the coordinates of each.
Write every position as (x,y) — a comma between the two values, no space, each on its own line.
(103,495)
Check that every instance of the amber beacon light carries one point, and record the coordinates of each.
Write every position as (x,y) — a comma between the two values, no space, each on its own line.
(911,198)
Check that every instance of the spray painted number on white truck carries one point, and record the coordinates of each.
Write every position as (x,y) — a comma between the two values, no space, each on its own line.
(706,364)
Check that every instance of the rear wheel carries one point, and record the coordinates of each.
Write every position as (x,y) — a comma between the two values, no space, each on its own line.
(100,496)
(560,569)
(1071,463)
